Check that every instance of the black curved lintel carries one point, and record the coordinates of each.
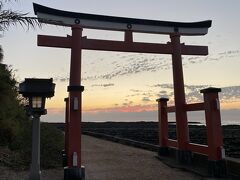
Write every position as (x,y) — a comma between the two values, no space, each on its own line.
(144,25)
(44,9)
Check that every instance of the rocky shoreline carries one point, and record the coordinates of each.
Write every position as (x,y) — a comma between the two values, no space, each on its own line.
(148,132)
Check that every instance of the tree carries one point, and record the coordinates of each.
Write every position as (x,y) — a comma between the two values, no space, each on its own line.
(1,54)
(15,126)
(9,17)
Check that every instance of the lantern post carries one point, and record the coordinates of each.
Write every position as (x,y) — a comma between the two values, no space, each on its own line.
(36,91)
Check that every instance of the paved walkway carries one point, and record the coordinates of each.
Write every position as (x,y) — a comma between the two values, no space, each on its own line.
(105,160)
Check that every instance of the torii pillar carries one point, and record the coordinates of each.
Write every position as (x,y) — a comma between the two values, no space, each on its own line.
(73,170)
(73,102)
(183,155)
(75,108)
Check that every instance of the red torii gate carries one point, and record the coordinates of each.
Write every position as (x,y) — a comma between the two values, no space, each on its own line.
(77,43)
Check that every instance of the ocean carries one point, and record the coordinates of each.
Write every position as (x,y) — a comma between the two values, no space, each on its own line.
(228,117)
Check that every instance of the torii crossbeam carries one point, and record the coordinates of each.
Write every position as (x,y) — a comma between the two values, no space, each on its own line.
(77,43)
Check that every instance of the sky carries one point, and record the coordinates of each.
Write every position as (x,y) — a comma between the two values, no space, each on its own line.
(124,86)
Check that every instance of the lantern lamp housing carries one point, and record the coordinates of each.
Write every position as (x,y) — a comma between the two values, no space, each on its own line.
(37,90)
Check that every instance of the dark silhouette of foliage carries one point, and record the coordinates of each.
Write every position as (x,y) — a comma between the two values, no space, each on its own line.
(9,17)
(15,126)
(52,142)
(1,54)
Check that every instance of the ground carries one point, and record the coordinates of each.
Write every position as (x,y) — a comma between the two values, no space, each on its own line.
(111,161)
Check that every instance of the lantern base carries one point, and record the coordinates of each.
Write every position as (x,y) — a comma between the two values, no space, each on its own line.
(36,175)
(38,111)
(74,173)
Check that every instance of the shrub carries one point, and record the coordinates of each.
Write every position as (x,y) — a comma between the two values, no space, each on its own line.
(52,143)
(16,130)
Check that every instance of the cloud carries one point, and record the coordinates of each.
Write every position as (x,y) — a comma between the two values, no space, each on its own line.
(146,99)
(126,64)
(193,95)
(135,90)
(103,85)
(230,52)
(125,108)
(164,86)
(61,79)
(127,103)
(192,92)
(163,92)
(230,94)
(129,111)
(132,64)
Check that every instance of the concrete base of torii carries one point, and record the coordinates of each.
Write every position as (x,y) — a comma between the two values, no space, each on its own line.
(74,173)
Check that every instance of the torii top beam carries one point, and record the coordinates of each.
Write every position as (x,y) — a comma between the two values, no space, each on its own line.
(92,21)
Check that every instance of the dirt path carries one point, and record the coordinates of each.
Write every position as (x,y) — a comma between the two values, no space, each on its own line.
(106,160)
(111,161)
